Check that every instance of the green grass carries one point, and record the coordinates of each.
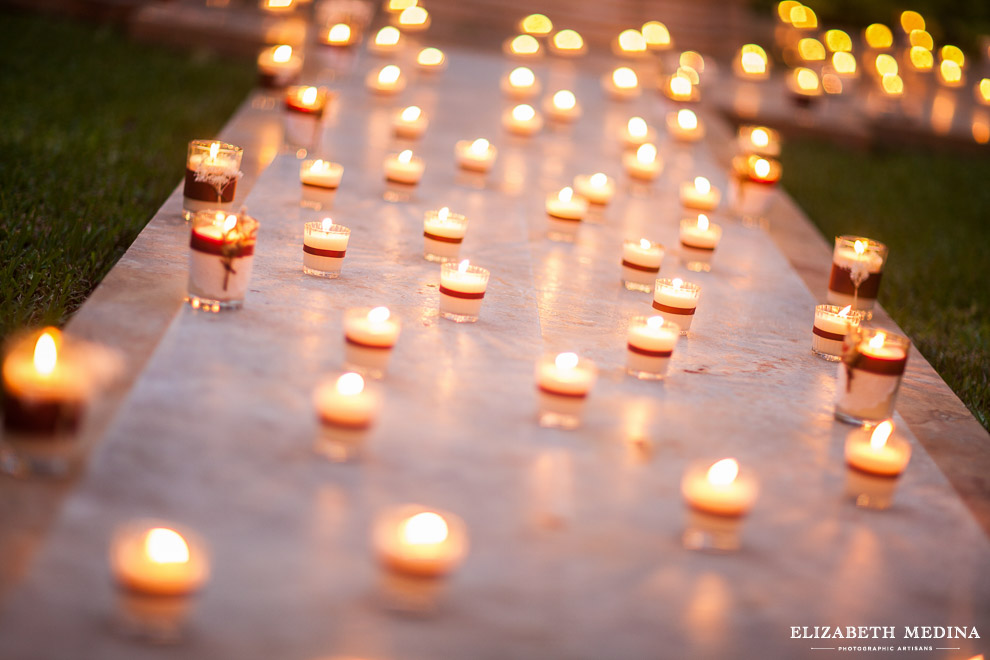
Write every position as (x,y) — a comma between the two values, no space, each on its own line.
(931,211)
(93,131)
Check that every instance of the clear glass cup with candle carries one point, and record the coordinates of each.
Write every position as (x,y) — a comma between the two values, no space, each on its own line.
(462,290)
(830,328)
(221,255)
(278,66)
(857,266)
(650,343)
(212,171)
(677,301)
(370,334)
(563,382)
(346,407)
(641,260)
(718,494)
(870,373)
(443,233)
(699,237)
(876,457)
(324,247)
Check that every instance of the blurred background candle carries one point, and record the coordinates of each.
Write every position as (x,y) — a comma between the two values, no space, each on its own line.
(719,488)
(637,132)
(306,100)
(700,194)
(753,184)
(388,80)
(475,155)
(641,261)
(857,266)
(345,402)
(522,120)
(680,88)
(622,84)
(873,363)
(419,542)
(805,86)
(278,66)
(404,168)
(751,63)
(656,35)
(520,83)
(324,246)
(221,254)
(565,210)
(212,171)
(644,164)
(876,459)
(320,173)
(462,290)
(699,238)
(650,343)
(338,35)
(685,126)
(370,334)
(443,233)
(431,60)
(523,46)
(597,188)
(830,328)
(677,301)
(563,106)
(568,43)
(629,43)
(537,25)
(563,382)
(413,19)
(388,40)
(410,123)
(758,140)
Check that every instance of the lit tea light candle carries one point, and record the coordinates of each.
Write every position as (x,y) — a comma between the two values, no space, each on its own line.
(475,155)
(878,452)
(622,84)
(278,66)
(677,301)
(568,43)
(857,267)
(699,238)
(753,184)
(431,59)
(462,290)
(389,80)
(629,43)
(758,140)
(892,85)
(339,35)
(700,194)
(878,36)
(278,6)
(810,50)
(523,46)
(443,233)
(221,254)
(873,363)
(537,25)
(680,88)
(720,488)
(982,91)
(404,168)
(751,63)
(921,59)
(757,169)
(324,246)
(598,188)
(414,19)
(830,328)
(563,106)
(844,65)
(650,343)
(410,123)
(644,164)
(155,559)
(370,334)
(805,86)
(684,125)
(212,171)
(522,120)
(637,132)
(950,74)
(396,7)
(420,543)
(641,261)
(345,402)
(656,35)
(321,173)
(521,83)
(306,100)
(563,382)
(564,205)
(388,40)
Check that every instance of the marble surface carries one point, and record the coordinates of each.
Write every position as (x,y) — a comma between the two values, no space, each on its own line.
(575,536)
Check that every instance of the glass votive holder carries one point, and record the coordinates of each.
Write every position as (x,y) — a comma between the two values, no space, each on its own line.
(563,382)
(641,261)
(324,247)
(677,301)
(443,233)
(718,495)
(857,266)
(650,343)
(221,254)
(212,171)
(346,409)
(830,328)
(699,238)
(370,334)
(462,290)
(876,458)
(873,364)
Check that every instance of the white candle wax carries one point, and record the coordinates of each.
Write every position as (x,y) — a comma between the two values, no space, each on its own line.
(650,343)
(721,488)
(320,173)
(475,155)
(566,374)
(643,164)
(564,205)
(700,195)
(410,123)
(419,542)
(462,290)
(345,402)
(522,120)
(404,168)
(677,301)
(878,451)
(155,558)
(873,363)
(324,247)
(597,188)
(443,233)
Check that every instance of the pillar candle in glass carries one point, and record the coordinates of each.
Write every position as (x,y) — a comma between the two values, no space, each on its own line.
(324,247)
(562,106)
(650,343)
(404,168)
(321,174)
(410,123)
(644,164)
(873,364)
(278,66)
(221,254)
(700,195)
(212,171)
(443,233)
(622,84)
(462,290)
(520,84)
(830,328)
(699,238)
(370,334)
(876,457)
(563,382)
(565,211)
(418,542)
(475,155)
(857,266)
(522,120)
(685,126)
(386,81)
(676,300)
(641,261)
(637,132)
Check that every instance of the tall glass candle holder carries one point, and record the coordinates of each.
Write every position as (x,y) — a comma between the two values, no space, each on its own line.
(873,364)
(212,171)
(857,266)
(221,254)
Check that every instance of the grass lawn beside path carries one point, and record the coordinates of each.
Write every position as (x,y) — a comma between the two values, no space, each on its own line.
(93,133)
(933,212)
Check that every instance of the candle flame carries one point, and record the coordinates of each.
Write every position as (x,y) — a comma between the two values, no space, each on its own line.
(564,100)
(680,85)
(282,54)
(762,167)
(414,15)
(677,283)
(565,194)
(350,384)
(480,146)
(880,434)
(309,95)
(389,74)
(166,546)
(879,36)
(214,150)
(566,360)
(760,137)
(654,322)
(878,340)
(523,112)
(443,213)
(624,78)
(411,113)
(229,223)
(387,36)
(522,77)
(984,90)
(844,312)
(687,120)
(724,472)
(405,157)
(703,222)
(632,41)
(656,34)
(463,266)
(637,128)
(379,315)
(568,40)
(430,57)
(598,180)
(702,185)
(645,244)
(425,528)
(326,224)
(339,34)
(536,24)
(524,45)
(45,353)
(647,153)
(859,247)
